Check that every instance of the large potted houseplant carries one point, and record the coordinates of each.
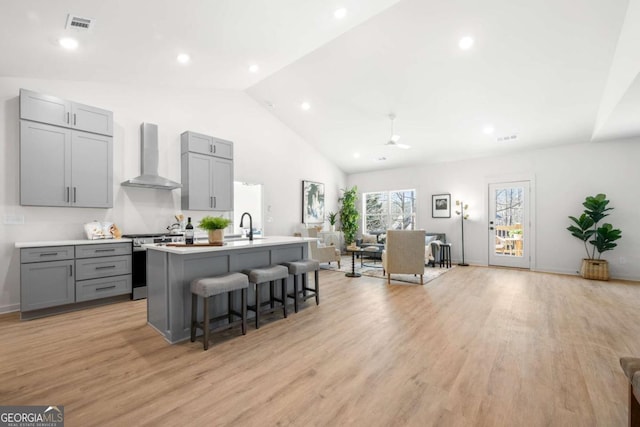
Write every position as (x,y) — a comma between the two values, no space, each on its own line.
(215,225)
(602,237)
(349,215)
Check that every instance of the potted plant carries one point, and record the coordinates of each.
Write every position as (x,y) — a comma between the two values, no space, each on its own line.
(516,234)
(349,215)
(602,237)
(215,225)
(333,217)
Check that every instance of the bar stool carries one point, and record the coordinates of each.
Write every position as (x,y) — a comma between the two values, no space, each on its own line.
(209,286)
(301,268)
(445,255)
(260,276)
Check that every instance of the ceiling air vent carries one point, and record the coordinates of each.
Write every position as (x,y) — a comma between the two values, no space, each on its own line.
(508,138)
(79,23)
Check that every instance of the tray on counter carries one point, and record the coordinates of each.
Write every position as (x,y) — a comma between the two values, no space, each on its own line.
(195,245)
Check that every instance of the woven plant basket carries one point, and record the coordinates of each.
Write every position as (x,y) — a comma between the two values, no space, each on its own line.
(595,269)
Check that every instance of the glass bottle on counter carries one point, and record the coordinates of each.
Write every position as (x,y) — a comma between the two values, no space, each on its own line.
(188,233)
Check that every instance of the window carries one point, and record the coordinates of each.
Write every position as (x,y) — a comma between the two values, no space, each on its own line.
(385,210)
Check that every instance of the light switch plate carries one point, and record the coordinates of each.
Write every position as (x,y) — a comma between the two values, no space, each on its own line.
(14,219)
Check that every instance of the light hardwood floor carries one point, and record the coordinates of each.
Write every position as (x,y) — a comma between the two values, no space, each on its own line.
(477,346)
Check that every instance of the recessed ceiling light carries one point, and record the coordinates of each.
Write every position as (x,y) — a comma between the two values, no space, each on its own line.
(466,43)
(488,129)
(356,155)
(183,58)
(68,43)
(254,68)
(340,13)
(305,106)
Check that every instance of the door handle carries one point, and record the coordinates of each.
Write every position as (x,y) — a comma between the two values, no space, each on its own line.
(74,119)
(211,148)
(210,202)
(214,202)
(214,149)
(71,271)
(74,194)
(68,200)
(491,228)
(67,118)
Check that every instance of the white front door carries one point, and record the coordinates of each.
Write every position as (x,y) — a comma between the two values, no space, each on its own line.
(509,224)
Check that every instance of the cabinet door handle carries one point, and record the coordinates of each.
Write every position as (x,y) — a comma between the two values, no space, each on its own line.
(49,254)
(74,194)
(104,267)
(214,149)
(71,271)
(68,200)
(210,202)
(105,288)
(215,204)
(67,118)
(74,119)
(211,148)
(105,250)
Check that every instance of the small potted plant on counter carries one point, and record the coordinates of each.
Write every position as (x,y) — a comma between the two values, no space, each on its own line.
(602,237)
(333,217)
(215,225)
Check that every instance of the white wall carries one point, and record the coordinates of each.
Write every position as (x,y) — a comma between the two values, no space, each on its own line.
(564,176)
(265,151)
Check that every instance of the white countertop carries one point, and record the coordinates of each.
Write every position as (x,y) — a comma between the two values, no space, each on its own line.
(68,243)
(233,245)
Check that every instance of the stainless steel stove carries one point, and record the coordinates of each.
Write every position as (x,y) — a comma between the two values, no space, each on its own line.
(139,267)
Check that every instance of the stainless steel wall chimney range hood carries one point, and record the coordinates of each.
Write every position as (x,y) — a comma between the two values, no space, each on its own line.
(149,162)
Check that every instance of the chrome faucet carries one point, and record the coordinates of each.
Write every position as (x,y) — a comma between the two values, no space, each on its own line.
(250,224)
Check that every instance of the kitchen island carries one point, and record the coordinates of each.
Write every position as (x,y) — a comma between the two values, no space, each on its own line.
(171,269)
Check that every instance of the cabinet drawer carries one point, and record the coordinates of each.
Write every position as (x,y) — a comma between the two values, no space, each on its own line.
(101,288)
(93,268)
(104,249)
(204,144)
(50,253)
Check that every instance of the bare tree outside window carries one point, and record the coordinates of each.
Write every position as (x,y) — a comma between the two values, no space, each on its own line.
(389,210)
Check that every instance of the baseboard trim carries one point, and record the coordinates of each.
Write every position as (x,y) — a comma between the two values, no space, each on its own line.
(9,308)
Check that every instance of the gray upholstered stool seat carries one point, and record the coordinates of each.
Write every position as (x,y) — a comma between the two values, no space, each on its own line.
(206,287)
(301,268)
(263,275)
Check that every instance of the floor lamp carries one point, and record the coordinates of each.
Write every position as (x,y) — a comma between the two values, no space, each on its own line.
(463,217)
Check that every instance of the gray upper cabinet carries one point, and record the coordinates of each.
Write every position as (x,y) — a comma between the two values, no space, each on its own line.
(60,167)
(59,112)
(207,173)
(66,153)
(204,144)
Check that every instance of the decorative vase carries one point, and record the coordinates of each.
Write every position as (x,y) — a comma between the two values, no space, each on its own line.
(595,269)
(332,227)
(216,236)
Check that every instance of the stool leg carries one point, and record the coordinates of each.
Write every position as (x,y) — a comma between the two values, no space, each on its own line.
(205,323)
(244,311)
(284,297)
(304,285)
(271,292)
(257,305)
(229,305)
(316,277)
(295,293)
(194,316)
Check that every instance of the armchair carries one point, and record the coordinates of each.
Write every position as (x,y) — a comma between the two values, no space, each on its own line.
(322,254)
(405,253)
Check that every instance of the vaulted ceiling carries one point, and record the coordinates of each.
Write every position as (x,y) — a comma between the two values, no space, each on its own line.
(537,70)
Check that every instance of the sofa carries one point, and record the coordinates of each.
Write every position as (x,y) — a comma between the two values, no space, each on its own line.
(431,240)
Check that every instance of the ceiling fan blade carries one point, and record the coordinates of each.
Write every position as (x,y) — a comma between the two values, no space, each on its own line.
(403,146)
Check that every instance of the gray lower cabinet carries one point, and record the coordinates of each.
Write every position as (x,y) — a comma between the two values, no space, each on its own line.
(46,284)
(62,167)
(207,173)
(61,275)
(56,111)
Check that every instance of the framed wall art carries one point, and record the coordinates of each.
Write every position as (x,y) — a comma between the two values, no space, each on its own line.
(312,202)
(441,206)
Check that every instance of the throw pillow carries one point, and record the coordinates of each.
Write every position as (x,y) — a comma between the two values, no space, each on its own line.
(368,238)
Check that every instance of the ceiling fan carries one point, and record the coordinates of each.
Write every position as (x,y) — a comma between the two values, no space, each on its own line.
(393,141)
